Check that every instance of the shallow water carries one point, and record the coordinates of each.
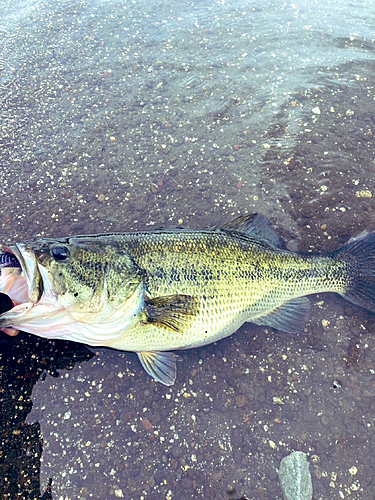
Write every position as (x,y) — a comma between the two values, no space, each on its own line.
(127,115)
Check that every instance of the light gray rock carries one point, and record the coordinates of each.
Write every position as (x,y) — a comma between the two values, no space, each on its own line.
(295,477)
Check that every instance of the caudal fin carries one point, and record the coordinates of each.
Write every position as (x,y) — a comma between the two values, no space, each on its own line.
(360,257)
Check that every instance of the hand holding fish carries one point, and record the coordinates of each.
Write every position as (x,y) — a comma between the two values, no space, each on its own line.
(6,303)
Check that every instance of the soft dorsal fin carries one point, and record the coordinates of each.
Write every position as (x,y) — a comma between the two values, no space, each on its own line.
(256,226)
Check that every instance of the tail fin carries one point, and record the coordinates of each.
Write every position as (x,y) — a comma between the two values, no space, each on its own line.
(359,254)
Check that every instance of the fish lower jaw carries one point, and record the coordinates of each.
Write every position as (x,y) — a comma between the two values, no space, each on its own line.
(30,317)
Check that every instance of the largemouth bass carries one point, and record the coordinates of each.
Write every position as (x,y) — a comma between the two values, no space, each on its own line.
(158,291)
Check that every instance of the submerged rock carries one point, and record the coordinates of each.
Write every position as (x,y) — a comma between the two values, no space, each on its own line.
(295,477)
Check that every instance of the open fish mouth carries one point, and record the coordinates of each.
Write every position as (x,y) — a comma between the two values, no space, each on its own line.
(19,274)
(24,281)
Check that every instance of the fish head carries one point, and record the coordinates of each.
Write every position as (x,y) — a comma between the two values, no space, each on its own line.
(68,285)
(76,272)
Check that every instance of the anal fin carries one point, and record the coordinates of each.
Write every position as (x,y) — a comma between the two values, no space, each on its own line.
(161,366)
(290,317)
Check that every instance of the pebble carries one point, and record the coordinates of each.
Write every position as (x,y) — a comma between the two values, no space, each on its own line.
(325,419)
(353,470)
(241,401)
(295,477)
(147,425)
(364,193)
(176,451)
(154,188)
(101,198)
(119,493)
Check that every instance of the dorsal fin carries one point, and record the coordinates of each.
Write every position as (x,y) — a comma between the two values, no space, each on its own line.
(256,226)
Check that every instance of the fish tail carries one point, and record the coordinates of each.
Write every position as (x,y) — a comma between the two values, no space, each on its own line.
(359,257)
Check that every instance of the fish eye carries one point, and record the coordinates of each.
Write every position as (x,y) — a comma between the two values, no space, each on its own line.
(60,253)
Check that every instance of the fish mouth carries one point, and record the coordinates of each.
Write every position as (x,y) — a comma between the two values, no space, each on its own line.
(28,272)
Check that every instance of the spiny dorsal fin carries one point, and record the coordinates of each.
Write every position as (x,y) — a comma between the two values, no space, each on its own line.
(160,365)
(256,226)
(290,317)
(174,312)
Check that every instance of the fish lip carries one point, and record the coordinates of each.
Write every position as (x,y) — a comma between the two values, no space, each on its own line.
(29,268)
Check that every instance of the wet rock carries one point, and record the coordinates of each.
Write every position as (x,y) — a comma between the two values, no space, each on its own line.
(295,477)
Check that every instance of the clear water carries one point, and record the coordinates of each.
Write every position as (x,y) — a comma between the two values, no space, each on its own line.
(119,115)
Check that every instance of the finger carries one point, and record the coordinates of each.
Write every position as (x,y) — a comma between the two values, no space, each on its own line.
(12,332)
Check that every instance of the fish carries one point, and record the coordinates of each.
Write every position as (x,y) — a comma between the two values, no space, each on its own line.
(155,292)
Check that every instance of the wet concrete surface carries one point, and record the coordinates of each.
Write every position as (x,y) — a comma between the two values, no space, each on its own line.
(131,116)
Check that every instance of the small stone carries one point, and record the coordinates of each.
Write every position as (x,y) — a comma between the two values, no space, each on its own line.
(119,493)
(353,470)
(295,477)
(316,110)
(147,425)
(364,193)
(325,420)
(231,158)
(241,401)
(318,472)
(154,188)
(101,198)
(349,112)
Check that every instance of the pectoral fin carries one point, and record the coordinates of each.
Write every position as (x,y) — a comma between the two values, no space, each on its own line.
(173,312)
(160,365)
(290,317)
